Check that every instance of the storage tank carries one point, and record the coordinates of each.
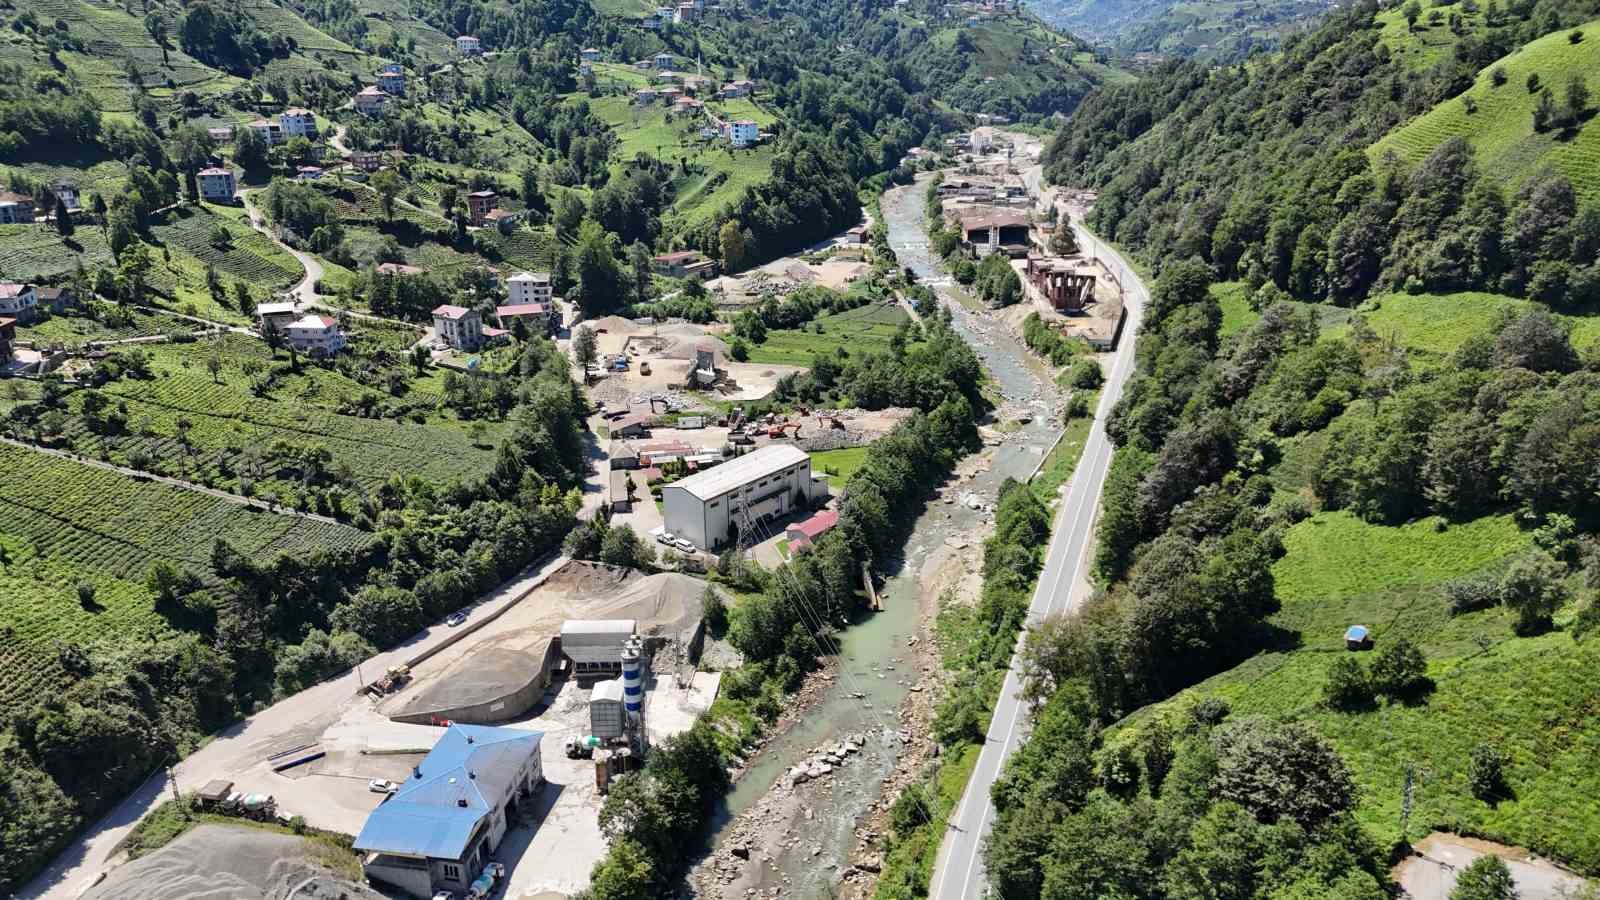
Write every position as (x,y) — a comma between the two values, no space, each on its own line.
(594,644)
(606,717)
(633,677)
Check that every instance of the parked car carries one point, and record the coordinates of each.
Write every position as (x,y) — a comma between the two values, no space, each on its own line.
(685,545)
(445,895)
(455,618)
(382,786)
(666,537)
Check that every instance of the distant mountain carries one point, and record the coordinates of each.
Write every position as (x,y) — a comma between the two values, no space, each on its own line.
(1210,29)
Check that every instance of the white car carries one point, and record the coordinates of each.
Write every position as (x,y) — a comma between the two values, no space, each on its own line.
(666,537)
(684,545)
(455,618)
(382,786)
(445,895)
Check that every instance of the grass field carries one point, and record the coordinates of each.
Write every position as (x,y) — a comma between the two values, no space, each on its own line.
(63,523)
(38,253)
(1501,130)
(1527,696)
(1436,324)
(76,329)
(863,330)
(1063,458)
(248,256)
(838,465)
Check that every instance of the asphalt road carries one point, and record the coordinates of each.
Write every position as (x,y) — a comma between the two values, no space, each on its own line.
(958,873)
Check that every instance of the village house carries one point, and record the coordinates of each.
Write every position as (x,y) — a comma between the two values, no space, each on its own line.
(308,173)
(56,299)
(536,316)
(743,133)
(633,426)
(459,327)
(316,335)
(67,193)
(685,12)
(663,60)
(220,134)
(670,95)
(277,315)
(529,287)
(366,160)
(623,456)
(437,832)
(298,123)
(589,55)
(645,96)
(687,106)
(479,204)
(695,84)
(15,209)
(502,220)
(217,185)
(685,264)
(18,301)
(467,45)
(801,535)
(398,270)
(370,101)
(392,79)
(741,88)
(270,132)
(8,335)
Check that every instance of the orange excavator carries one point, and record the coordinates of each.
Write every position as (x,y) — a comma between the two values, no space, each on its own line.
(780,430)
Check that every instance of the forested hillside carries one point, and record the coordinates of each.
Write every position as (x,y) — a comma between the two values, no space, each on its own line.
(1216,30)
(1366,395)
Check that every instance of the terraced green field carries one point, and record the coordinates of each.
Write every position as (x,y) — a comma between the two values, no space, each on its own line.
(75,329)
(1426,44)
(38,253)
(232,430)
(1501,130)
(863,330)
(63,523)
(1435,324)
(250,256)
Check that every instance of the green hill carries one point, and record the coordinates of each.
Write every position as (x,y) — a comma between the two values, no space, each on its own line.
(1497,119)
(1206,29)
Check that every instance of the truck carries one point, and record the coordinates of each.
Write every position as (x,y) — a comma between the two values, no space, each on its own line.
(393,679)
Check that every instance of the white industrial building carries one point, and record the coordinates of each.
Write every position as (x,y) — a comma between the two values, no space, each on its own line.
(711,508)
(595,645)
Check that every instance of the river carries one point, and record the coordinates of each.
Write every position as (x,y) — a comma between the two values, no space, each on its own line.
(875,671)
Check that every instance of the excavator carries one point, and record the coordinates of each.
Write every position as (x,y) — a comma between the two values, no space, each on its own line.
(780,430)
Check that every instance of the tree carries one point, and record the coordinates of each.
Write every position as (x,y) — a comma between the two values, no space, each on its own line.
(1486,879)
(730,237)
(249,149)
(1544,111)
(1486,773)
(1281,771)
(1412,12)
(639,266)
(622,546)
(214,366)
(601,284)
(1347,687)
(1577,100)
(715,610)
(387,185)
(1399,670)
(624,874)
(585,346)
(133,268)
(1533,588)
(64,225)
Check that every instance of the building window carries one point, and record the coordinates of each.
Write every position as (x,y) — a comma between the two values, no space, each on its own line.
(452,871)
(714,504)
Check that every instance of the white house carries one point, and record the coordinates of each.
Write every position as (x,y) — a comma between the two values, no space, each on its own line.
(371,100)
(437,832)
(67,193)
(392,79)
(458,326)
(18,301)
(15,209)
(529,287)
(298,123)
(711,508)
(743,133)
(278,314)
(217,185)
(317,335)
(467,45)
(270,132)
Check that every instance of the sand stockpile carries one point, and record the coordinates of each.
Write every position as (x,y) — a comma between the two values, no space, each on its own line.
(221,862)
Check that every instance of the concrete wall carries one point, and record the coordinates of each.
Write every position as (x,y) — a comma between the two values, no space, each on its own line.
(499,709)
(416,882)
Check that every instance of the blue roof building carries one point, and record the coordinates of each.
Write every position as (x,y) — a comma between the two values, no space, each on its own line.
(439,829)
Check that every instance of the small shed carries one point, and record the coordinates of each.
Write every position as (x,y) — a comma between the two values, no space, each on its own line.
(623,456)
(605,709)
(1357,637)
(630,427)
(595,645)
(215,791)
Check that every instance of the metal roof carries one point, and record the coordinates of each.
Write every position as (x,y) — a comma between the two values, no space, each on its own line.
(436,811)
(741,471)
(580,628)
(607,690)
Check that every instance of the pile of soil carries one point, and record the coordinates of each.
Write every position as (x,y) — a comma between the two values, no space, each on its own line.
(222,862)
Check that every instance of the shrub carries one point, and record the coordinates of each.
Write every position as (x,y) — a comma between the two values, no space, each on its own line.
(716,612)
(1485,773)
(1486,879)
(1210,712)
(1472,593)
(1533,589)
(1347,686)
(1400,669)
(1085,374)
(1119,772)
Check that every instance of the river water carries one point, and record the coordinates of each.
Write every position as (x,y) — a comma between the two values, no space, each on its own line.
(875,669)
